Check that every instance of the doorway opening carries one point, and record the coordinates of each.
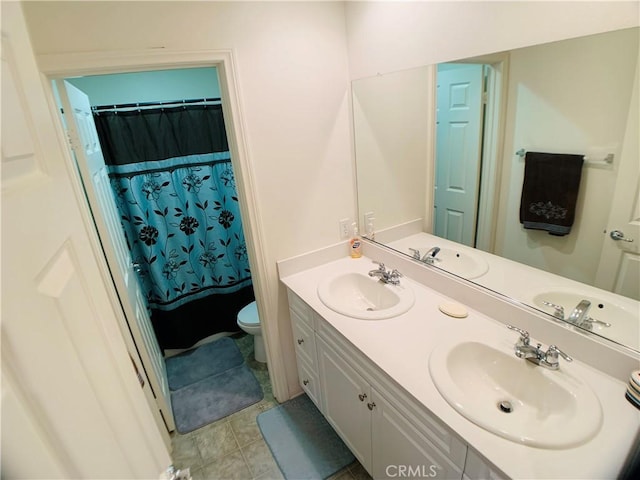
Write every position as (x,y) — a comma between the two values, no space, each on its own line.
(142,205)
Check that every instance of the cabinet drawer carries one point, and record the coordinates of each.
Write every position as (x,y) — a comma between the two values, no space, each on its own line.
(310,383)
(302,311)
(304,341)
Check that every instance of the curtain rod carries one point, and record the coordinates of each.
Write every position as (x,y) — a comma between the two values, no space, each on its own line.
(147,105)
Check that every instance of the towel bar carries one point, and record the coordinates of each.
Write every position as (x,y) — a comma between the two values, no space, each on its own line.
(608,159)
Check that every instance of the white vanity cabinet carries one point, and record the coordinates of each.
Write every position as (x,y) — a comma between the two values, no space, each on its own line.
(347,402)
(302,323)
(387,430)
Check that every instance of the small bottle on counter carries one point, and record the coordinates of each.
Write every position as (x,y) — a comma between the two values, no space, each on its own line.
(355,243)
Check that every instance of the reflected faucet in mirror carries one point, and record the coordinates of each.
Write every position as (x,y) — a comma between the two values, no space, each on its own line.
(429,257)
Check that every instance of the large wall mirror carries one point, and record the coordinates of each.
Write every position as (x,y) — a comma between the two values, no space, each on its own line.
(440,158)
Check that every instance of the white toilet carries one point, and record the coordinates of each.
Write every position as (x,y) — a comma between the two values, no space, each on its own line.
(249,321)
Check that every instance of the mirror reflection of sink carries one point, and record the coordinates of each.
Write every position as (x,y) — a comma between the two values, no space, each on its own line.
(513,398)
(360,296)
(600,309)
(621,313)
(459,262)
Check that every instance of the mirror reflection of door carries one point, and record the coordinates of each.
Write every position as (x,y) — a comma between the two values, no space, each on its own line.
(459,127)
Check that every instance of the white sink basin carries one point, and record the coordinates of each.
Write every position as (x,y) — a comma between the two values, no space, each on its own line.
(549,409)
(459,262)
(360,296)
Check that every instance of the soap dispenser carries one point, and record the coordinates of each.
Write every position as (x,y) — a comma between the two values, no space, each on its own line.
(355,244)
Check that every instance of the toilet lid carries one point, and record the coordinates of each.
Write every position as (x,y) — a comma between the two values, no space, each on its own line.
(249,315)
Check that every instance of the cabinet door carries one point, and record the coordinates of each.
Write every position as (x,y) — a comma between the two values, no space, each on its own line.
(399,450)
(477,468)
(345,397)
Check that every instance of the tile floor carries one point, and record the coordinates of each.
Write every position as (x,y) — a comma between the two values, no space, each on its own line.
(233,447)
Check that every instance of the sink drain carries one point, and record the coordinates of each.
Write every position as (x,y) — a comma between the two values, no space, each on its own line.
(505,406)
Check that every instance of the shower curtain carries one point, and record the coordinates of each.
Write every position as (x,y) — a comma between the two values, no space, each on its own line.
(171,173)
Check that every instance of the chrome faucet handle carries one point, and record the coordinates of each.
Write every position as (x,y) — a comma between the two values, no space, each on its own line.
(395,273)
(524,335)
(558,310)
(381,266)
(551,357)
(416,253)
(595,320)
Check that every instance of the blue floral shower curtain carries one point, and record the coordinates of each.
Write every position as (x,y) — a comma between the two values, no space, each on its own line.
(182,222)
(171,173)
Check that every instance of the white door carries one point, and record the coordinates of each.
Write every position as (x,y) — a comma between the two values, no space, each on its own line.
(86,147)
(458,150)
(619,267)
(72,406)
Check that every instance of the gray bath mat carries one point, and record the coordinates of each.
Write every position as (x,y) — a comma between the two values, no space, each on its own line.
(215,397)
(209,359)
(303,443)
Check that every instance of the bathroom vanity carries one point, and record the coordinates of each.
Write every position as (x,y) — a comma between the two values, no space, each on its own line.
(372,380)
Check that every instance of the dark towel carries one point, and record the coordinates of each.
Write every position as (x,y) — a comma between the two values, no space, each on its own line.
(550,191)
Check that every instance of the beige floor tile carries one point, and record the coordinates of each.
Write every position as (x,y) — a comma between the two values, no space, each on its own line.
(244,424)
(259,458)
(197,474)
(185,453)
(358,471)
(344,474)
(215,441)
(229,467)
(273,473)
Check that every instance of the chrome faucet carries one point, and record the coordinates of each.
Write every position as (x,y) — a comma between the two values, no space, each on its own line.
(579,314)
(536,355)
(391,277)
(429,257)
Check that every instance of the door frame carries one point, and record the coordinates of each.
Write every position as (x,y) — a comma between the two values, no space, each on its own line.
(56,66)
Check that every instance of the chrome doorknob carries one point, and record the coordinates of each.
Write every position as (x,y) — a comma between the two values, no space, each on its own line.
(136,267)
(617,235)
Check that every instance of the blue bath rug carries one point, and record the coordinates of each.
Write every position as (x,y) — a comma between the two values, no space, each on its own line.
(302,442)
(202,362)
(215,397)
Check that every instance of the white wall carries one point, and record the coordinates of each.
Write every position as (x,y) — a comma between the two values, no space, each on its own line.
(391,113)
(291,63)
(388,36)
(157,86)
(559,106)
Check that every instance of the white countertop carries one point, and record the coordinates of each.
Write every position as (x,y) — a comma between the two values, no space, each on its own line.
(401,346)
